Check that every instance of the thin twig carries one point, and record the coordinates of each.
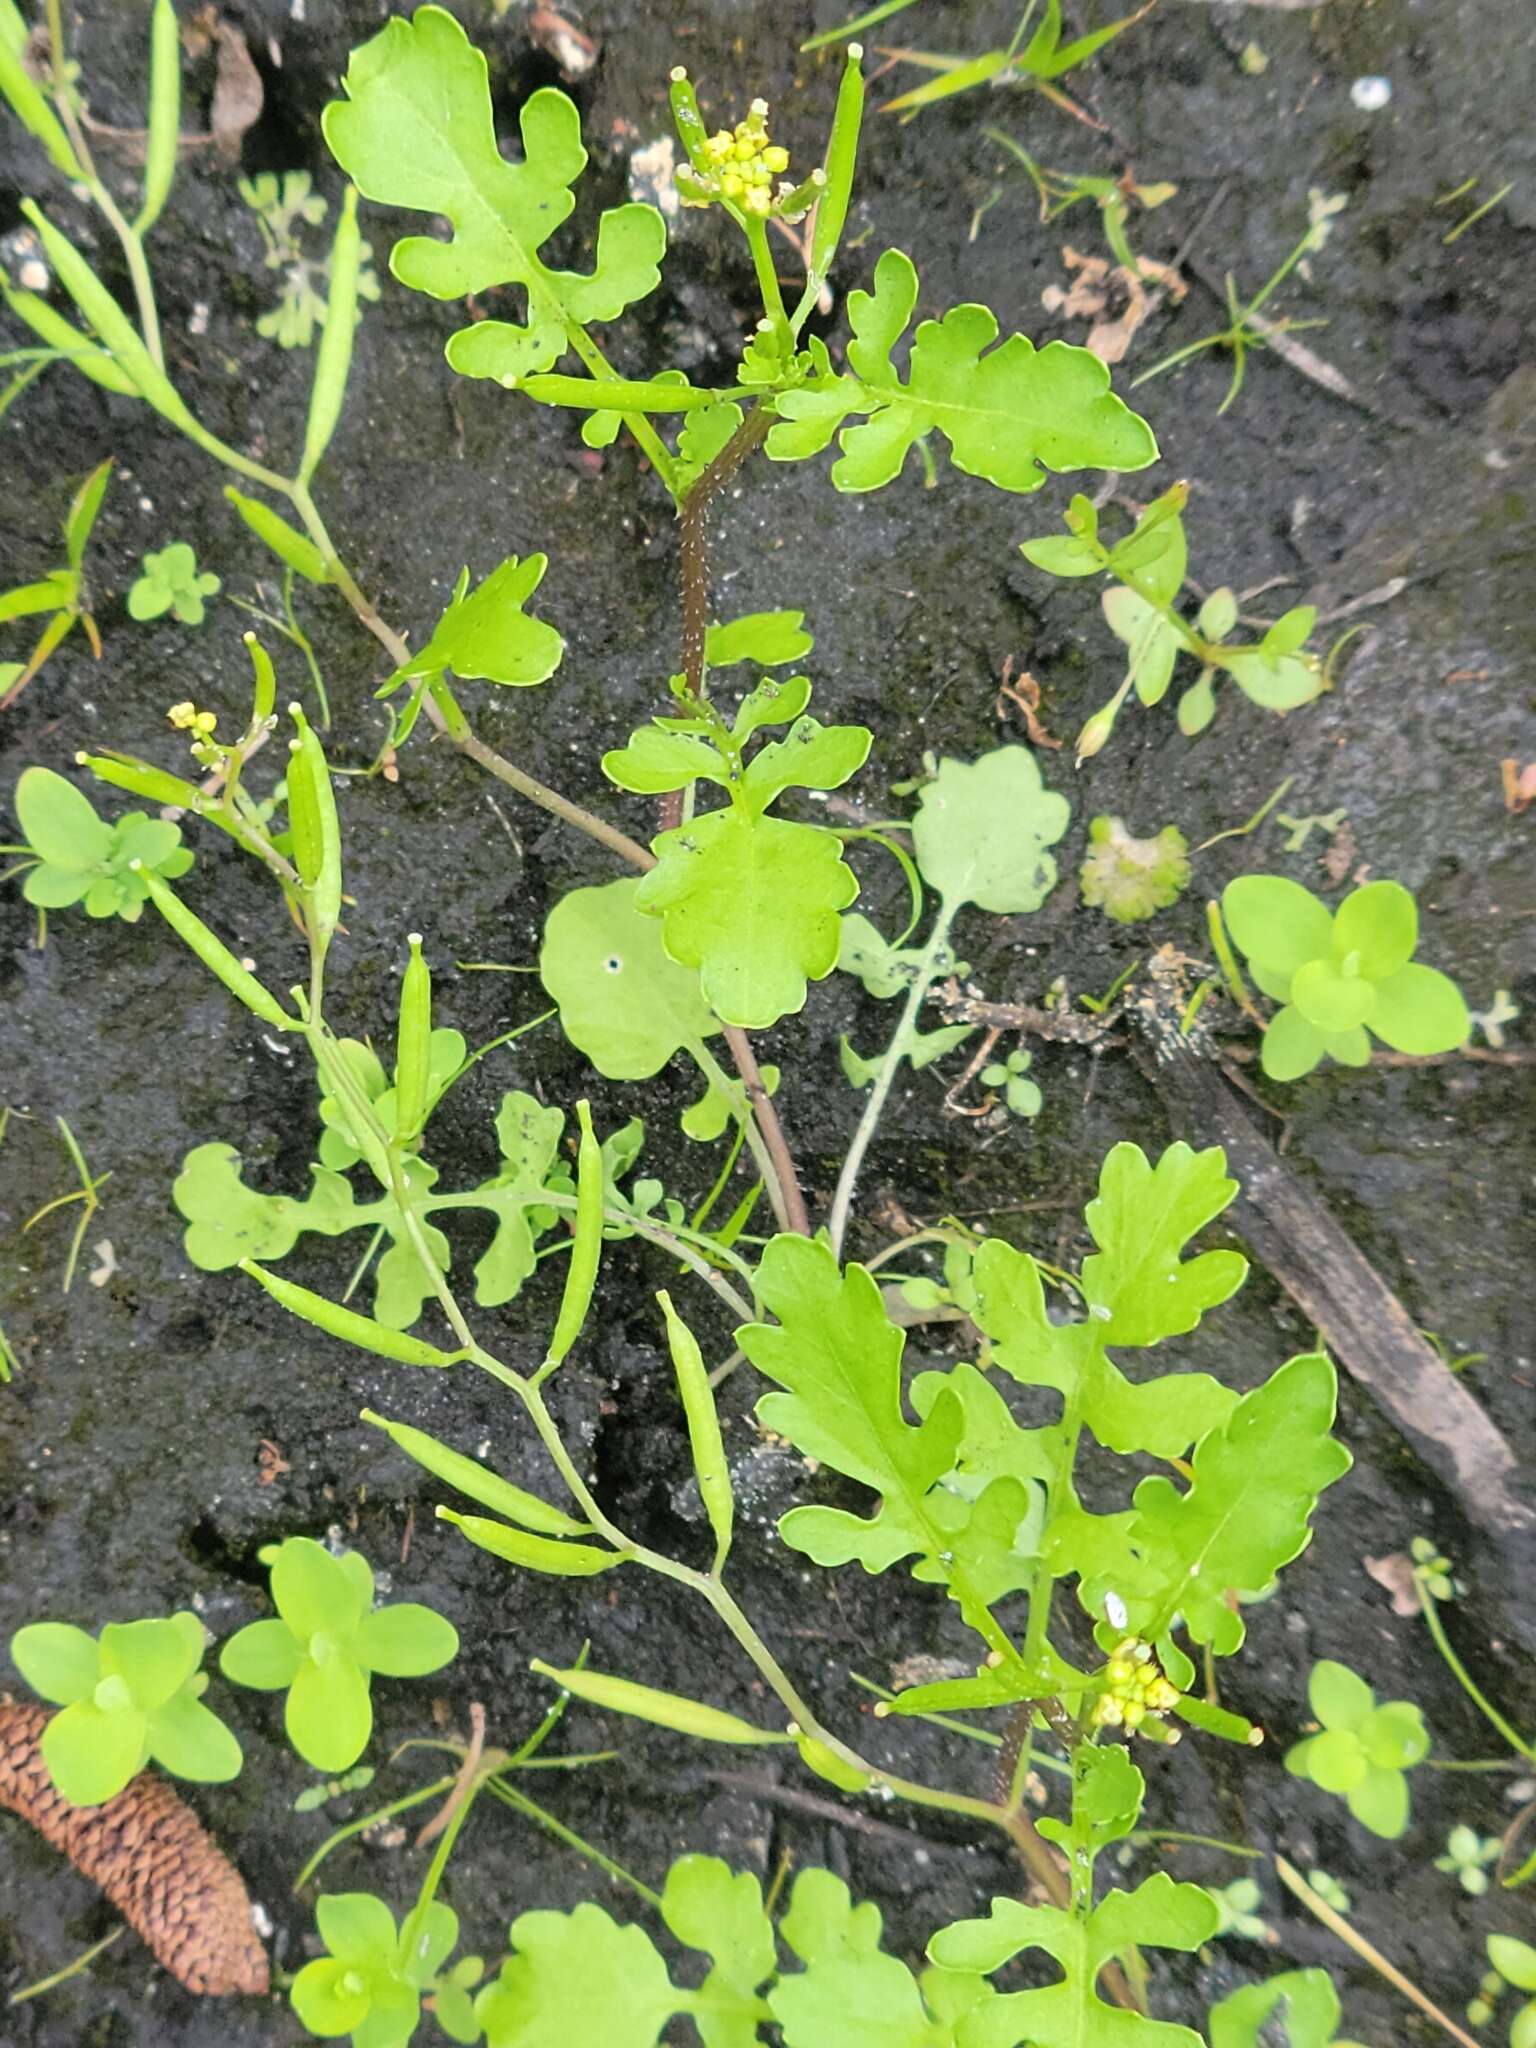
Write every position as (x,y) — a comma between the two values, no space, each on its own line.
(463,1783)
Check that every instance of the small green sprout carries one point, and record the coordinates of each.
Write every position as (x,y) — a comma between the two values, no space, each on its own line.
(1514,1963)
(1467,1857)
(62,592)
(1247,329)
(368,1986)
(1141,610)
(131,1697)
(1363,1751)
(74,856)
(1340,975)
(325,1645)
(1238,1905)
(1038,63)
(1128,878)
(1299,2008)
(1022,1096)
(313,1797)
(1330,1891)
(1432,1567)
(284,203)
(172,582)
(1059,191)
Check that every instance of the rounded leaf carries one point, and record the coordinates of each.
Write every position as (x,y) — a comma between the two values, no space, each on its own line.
(329,1715)
(91,1755)
(1335,1760)
(325,2004)
(1330,1000)
(624,1001)
(1514,1960)
(1380,1802)
(190,1741)
(981,830)
(60,1662)
(1522,2028)
(50,888)
(1380,924)
(1349,1048)
(1394,1736)
(265,1655)
(357,1928)
(405,1641)
(313,1591)
(1420,1010)
(1293,1045)
(435,1941)
(155,1658)
(1276,921)
(59,821)
(1338,1696)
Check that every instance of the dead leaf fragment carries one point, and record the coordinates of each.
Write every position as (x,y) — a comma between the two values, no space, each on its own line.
(238,93)
(1097,287)
(1023,693)
(1394,1573)
(573,52)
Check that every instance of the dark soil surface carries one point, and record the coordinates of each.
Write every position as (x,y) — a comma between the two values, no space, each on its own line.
(131,1435)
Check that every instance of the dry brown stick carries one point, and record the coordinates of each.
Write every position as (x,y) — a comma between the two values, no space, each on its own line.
(463,1783)
(1060,1025)
(152,1857)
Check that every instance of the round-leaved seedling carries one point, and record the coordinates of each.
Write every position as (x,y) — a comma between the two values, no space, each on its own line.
(1362,1752)
(128,1698)
(325,1645)
(1340,975)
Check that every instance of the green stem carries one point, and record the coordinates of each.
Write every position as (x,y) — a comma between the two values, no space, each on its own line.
(768,282)
(531,1810)
(370,1820)
(1464,1677)
(927,972)
(742,1110)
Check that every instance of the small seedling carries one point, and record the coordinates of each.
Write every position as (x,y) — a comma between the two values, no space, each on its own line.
(1297,2009)
(325,1646)
(1039,62)
(1514,1963)
(72,855)
(313,1797)
(131,1697)
(1468,1856)
(284,203)
(1340,975)
(1238,1904)
(1021,1095)
(1431,1564)
(1363,1751)
(1149,569)
(172,582)
(62,592)
(1128,878)
(371,1981)
(1060,191)
(1245,331)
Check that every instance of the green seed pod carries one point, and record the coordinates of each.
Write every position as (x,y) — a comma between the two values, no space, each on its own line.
(296,550)
(264,694)
(467,1475)
(534,1553)
(826,1763)
(665,1709)
(1217,1721)
(413,1044)
(581,1274)
(347,1324)
(316,830)
(704,1438)
(164,114)
(213,953)
(687,119)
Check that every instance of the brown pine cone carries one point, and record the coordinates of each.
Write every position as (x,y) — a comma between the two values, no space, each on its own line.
(152,1857)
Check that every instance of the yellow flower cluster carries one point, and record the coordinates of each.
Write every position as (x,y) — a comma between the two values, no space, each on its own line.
(1134,1688)
(188,719)
(745,162)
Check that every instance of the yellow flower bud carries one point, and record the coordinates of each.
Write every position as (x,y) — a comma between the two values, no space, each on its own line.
(776,158)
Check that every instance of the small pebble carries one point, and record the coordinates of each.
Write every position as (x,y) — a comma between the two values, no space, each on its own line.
(1370,95)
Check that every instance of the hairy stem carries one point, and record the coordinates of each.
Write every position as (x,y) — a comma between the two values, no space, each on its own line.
(693,557)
